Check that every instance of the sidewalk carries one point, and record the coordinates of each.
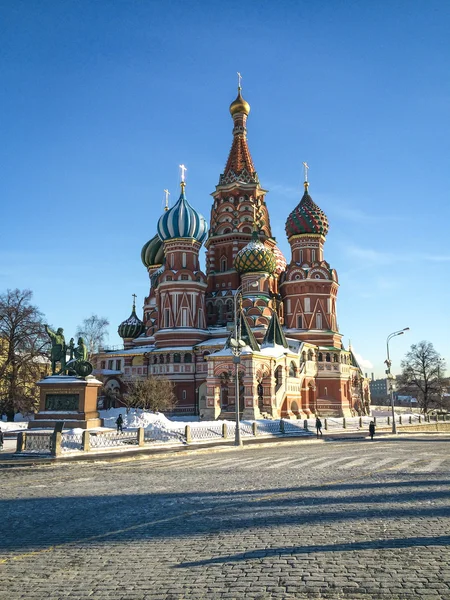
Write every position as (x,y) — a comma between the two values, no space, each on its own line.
(8,459)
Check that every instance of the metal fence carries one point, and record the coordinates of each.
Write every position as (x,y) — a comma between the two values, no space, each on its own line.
(39,443)
(113,439)
(165,435)
(50,443)
(71,442)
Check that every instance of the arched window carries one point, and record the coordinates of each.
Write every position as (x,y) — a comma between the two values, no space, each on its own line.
(167,358)
(155,360)
(220,311)
(205,354)
(303,356)
(319,321)
(335,358)
(176,358)
(183,260)
(310,355)
(292,370)
(328,357)
(320,357)
(223,264)
(161,359)
(188,358)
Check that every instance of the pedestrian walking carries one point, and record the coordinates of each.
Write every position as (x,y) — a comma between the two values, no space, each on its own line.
(318,427)
(1,439)
(119,423)
(372,429)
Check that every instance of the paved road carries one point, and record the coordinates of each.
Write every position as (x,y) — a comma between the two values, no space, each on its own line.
(355,519)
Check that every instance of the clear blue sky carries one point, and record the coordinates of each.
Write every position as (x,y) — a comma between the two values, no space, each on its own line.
(101,101)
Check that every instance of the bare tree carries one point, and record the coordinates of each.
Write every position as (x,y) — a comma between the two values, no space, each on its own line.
(23,352)
(154,393)
(94,332)
(421,374)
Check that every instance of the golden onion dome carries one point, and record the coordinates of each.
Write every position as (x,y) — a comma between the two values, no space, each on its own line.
(239,105)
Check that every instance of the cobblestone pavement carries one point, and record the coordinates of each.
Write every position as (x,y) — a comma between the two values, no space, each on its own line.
(355,520)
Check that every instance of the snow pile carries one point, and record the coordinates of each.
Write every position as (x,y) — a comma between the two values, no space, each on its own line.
(9,426)
(137,417)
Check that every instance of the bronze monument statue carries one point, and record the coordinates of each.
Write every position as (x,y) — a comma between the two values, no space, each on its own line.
(58,351)
(77,364)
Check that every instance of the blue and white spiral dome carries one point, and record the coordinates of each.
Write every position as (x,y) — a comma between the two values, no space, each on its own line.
(182,221)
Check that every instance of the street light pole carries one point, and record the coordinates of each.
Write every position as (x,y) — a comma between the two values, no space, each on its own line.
(236,347)
(389,376)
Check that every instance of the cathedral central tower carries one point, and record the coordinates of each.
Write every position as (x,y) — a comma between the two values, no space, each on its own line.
(239,204)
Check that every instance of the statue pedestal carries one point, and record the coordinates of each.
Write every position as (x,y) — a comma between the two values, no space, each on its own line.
(69,399)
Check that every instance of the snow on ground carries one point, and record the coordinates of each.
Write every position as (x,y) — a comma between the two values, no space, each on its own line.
(137,417)
(9,426)
(20,422)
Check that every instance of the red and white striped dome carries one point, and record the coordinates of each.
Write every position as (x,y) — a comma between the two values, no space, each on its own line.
(281,262)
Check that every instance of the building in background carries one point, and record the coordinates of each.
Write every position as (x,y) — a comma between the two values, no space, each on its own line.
(379,391)
(293,363)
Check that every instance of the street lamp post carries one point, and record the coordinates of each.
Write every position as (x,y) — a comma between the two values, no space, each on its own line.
(237,344)
(389,376)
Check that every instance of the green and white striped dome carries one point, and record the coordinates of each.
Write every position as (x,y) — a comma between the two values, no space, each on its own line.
(132,327)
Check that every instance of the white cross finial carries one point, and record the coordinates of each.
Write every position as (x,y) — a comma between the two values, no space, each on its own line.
(306,171)
(167,194)
(183,171)
(239,80)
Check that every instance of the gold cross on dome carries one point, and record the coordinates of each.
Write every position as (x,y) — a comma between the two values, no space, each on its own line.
(239,80)
(167,194)
(183,171)
(134,300)
(306,167)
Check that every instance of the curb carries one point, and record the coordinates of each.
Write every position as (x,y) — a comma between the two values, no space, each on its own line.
(13,460)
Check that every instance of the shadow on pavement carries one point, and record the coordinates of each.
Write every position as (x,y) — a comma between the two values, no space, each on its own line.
(293,550)
(121,517)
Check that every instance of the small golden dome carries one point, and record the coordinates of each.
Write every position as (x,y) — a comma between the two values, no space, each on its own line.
(239,105)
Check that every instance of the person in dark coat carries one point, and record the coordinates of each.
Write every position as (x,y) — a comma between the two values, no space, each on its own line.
(1,439)
(119,423)
(371,429)
(318,427)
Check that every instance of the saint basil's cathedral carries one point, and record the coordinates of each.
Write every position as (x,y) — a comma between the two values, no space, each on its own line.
(293,362)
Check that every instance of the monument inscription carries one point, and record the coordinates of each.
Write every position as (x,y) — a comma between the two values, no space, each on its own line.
(62,402)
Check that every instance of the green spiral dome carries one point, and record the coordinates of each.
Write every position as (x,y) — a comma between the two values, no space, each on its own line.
(153,252)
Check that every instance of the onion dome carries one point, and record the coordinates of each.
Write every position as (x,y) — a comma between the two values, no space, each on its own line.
(239,105)
(255,257)
(281,262)
(133,327)
(152,253)
(307,217)
(182,221)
